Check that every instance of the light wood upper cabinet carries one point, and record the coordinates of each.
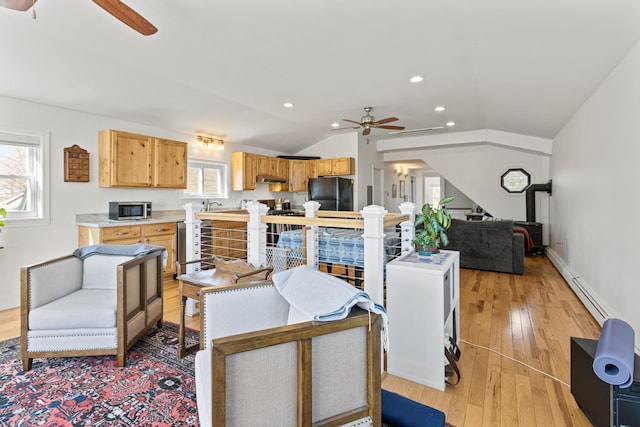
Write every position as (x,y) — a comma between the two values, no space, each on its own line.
(312,168)
(170,166)
(130,160)
(282,172)
(243,171)
(324,167)
(273,166)
(298,178)
(262,165)
(338,166)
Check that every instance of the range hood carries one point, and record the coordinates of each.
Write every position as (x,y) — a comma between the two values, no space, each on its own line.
(270,179)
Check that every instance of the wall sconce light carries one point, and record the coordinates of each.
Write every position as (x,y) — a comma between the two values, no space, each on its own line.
(402,171)
(207,142)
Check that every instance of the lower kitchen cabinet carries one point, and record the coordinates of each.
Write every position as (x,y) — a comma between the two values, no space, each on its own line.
(160,234)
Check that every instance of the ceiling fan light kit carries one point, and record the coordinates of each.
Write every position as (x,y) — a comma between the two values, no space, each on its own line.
(368,122)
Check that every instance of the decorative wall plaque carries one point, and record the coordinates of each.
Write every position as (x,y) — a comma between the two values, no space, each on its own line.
(76,164)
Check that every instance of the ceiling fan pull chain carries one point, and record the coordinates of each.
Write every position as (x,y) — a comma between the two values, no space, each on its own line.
(33,9)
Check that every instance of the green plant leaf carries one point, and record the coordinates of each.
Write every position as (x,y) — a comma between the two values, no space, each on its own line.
(447,200)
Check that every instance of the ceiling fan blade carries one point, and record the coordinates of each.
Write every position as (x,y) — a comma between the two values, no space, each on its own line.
(127,16)
(366,131)
(387,120)
(418,130)
(354,127)
(391,127)
(351,121)
(20,5)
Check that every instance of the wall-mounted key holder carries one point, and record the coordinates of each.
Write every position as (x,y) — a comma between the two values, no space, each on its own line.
(76,164)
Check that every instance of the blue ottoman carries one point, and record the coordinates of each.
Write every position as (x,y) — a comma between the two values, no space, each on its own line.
(398,411)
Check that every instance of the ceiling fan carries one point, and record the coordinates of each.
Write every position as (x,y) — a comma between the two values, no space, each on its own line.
(119,10)
(369,122)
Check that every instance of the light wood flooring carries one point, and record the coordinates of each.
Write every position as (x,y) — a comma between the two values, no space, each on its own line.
(529,318)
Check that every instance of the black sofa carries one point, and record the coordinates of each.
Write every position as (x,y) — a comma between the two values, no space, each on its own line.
(487,245)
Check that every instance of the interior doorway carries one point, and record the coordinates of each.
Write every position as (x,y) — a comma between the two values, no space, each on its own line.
(432,190)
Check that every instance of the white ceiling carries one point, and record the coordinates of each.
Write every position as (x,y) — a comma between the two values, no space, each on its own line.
(224,68)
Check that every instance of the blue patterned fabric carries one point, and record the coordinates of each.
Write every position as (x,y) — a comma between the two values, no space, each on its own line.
(337,245)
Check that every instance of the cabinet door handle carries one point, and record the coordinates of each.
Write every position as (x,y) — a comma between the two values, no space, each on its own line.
(163,229)
(122,233)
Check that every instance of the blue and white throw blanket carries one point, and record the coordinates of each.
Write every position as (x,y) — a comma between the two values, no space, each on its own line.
(119,250)
(314,295)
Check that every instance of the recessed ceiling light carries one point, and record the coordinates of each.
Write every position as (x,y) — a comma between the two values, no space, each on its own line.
(416,79)
(440,108)
(335,125)
(451,123)
(288,105)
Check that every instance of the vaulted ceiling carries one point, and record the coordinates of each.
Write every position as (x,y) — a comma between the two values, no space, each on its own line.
(225,68)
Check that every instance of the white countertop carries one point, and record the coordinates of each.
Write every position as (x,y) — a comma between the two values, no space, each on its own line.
(102,219)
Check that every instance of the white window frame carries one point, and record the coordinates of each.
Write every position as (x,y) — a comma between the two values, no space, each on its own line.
(39,214)
(224,179)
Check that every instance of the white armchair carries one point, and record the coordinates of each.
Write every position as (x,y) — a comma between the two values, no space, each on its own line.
(256,370)
(98,305)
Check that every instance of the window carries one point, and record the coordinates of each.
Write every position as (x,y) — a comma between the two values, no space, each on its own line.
(24,186)
(515,180)
(206,179)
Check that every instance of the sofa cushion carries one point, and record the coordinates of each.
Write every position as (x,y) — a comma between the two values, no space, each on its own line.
(101,271)
(483,245)
(85,308)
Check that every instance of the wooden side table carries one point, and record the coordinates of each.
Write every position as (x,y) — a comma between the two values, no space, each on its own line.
(190,285)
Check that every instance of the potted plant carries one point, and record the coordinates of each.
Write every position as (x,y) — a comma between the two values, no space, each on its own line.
(3,214)
(434,221)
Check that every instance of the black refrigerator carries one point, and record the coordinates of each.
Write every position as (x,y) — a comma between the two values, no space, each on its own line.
(333,194)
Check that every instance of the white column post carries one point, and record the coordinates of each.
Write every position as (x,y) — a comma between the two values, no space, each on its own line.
(256,234)
(374,252)
(192,238)
(193,250)
(311,207)
(407,227)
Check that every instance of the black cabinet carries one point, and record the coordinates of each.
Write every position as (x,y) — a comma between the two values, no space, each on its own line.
(604,404)
(535,232)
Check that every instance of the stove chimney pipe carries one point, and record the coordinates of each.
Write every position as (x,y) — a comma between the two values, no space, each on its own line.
(530,194)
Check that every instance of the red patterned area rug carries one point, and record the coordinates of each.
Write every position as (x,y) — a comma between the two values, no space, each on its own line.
(154,389)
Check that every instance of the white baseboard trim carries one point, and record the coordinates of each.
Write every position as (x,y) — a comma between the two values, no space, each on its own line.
(573,280)
(596,308)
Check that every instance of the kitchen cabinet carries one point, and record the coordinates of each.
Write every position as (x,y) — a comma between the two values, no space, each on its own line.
(170,164)
(131,160)
(298,178)
(243,171)
(283,172)
(262,165)
(312,169)
(158,234)
(266,166)
(337,166)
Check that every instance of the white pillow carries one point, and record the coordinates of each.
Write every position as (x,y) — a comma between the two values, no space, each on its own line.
(101,272)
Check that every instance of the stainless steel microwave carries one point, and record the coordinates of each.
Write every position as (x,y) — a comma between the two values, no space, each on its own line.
(121,211)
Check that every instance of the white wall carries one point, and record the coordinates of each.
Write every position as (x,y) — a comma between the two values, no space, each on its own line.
(595,172)
(475,169)
(28,245)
